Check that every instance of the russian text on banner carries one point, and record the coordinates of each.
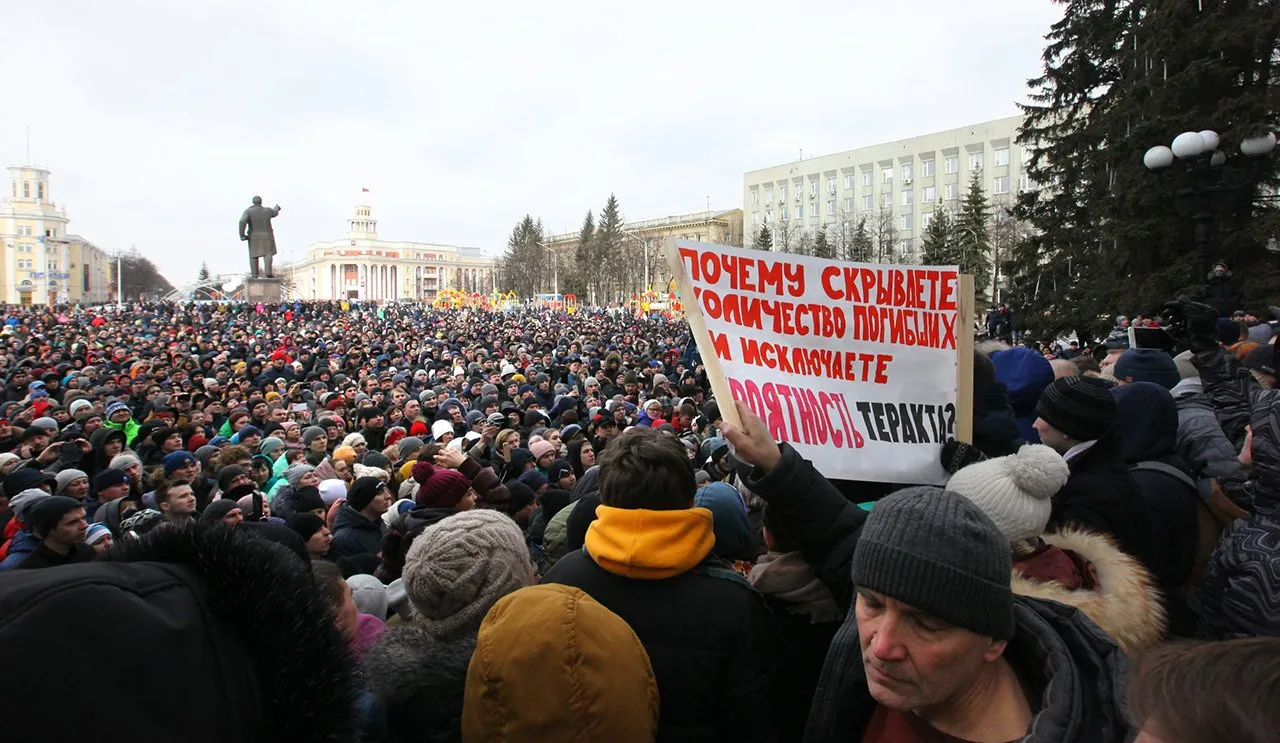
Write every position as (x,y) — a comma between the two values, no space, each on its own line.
(855,365)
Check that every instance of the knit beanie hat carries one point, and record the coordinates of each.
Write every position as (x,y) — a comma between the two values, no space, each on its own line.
(404,505)
(363,491)
(124,461)
(78,406)
(47,423)
(354,439)
(23,501)
(369,594)
(66,477)
(419,429)
(1015,491)
(216,510)
(116,407)
(521,495)
(109,478)
(332,491)
(377,459)
(440,428)
(96,533)
(439,487)
(1079,407)
(1228,331)
(305,524)
(1186,369)
(346,454)
(227,474)
(43,516)
(293,473)
(539,448)
(460,566)
(558,469)
(311,433)
(409,445)
(533,479)
(270,444)
(939,553)
(307,499)
(1147,365)
(176,460)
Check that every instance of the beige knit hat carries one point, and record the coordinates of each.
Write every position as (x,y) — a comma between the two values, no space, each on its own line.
(1015,491)
(459,567)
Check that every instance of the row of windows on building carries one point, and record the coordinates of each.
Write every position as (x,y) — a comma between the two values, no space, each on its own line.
(928,195)
(24,230)
(951,165)
(26,190)
(30,264)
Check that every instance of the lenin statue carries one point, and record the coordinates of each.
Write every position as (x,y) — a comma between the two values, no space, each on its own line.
(255,228)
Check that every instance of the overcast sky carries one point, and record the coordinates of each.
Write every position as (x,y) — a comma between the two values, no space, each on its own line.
(161,119)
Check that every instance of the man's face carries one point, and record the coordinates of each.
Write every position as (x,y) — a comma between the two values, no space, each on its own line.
(1052,437)
(181,502)
(279,415)
(187,472)
(1113,355)
(381,502)
(70,529)
(106,495)
(39,443)
(915,662)
(173,443)
(238,480)
(412,409)
(375,422)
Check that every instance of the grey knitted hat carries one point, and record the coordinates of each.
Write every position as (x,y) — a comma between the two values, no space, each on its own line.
(293,473)
(937,552)
(311,433)
(121,461)
(459,568)
(66,477)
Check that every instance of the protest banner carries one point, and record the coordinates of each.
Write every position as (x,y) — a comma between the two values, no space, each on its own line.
(866,369)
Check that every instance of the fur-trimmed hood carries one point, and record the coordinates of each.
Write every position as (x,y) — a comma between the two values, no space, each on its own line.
(1126,604)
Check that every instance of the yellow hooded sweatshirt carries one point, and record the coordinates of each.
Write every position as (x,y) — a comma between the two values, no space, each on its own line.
(650,545)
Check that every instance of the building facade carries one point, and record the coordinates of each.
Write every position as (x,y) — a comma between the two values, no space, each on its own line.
(41,263)
(364,267)
(896,184)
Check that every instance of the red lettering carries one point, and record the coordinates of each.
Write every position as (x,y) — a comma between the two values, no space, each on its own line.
(829,276)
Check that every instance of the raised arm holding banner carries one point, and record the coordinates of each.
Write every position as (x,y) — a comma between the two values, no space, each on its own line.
(866,369)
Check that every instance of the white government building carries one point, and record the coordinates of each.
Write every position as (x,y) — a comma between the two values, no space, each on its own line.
(364,267)
(907,179)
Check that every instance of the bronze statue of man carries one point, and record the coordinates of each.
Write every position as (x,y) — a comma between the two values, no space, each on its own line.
(255,228)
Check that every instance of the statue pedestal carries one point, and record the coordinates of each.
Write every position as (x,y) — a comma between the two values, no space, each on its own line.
(267,291)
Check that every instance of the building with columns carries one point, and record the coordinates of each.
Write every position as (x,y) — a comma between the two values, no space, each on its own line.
(39,262)
(364,267)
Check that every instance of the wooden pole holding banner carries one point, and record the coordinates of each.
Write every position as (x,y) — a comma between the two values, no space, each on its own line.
(698,327)
(964,359)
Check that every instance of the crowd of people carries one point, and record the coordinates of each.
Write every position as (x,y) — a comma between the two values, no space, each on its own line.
(330,522)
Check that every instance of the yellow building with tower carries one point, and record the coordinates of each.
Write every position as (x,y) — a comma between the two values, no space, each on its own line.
(41,263)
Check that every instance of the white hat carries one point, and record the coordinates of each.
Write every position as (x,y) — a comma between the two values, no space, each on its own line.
(1015,491)
(440,428)
(332,491)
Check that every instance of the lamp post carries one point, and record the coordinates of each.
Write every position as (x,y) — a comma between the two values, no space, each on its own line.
(644,246)
(555,269)
(1209,177)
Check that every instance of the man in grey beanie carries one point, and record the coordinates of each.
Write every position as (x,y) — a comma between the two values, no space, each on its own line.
(936,646)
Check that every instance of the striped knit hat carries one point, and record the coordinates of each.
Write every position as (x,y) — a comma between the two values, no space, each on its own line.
(1080,407)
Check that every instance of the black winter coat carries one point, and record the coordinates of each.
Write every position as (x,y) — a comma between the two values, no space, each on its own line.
(353,534)
(710,638)
(1102,496)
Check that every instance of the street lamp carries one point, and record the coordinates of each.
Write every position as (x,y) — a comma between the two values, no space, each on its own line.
(555,269)
(1209,177)
(644,245)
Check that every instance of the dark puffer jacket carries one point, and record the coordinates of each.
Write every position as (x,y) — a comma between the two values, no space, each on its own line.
(1241,595)
(1229,387)
(421,679)
(353,534)
(1074,674)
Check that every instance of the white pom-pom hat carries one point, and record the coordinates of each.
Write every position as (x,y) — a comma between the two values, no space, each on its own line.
(1015,491)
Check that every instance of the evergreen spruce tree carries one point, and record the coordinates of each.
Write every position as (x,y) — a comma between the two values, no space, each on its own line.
(862,242)
(821,246)
(1106,236)
(764,238)
(203,275)
(611,252)
(938,247)
(525,262)
(972,243)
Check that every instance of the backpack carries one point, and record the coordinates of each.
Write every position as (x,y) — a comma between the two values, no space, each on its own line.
(1165,469)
